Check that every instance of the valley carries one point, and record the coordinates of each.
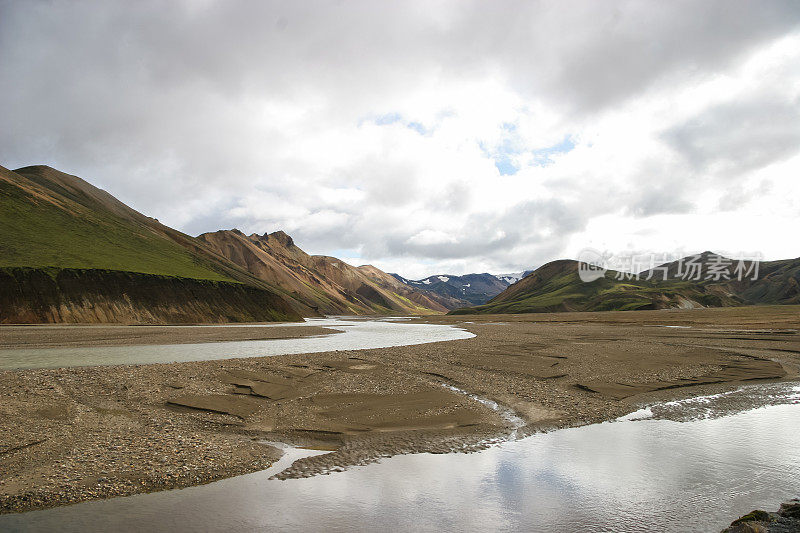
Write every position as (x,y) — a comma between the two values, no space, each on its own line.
(72,253)
(399,266)
(136,358)
(159,426)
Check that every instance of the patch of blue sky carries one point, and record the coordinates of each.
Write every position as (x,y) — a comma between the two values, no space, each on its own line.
(345,252)
(509,127)
(505,155)
(349,255)
(506,166)
(541,156)
(395,118)
(388,118)
(418,127)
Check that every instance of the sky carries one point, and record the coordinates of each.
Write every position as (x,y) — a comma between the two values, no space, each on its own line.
(434,137)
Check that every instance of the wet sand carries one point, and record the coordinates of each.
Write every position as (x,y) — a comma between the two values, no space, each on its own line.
(64,336)
(74,434)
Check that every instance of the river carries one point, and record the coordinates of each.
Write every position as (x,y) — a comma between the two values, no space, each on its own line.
(689,465)
(356,334)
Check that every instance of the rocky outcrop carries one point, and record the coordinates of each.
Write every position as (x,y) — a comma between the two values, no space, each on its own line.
(35,295)
(786,520)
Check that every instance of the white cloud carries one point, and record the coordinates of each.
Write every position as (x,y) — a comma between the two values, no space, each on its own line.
(382,128)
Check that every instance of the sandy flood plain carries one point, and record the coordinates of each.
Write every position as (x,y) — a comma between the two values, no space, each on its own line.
(65,336)
(77,434)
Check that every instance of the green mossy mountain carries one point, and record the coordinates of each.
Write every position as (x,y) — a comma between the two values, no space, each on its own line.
(51,222)
(557,287)
(53,219)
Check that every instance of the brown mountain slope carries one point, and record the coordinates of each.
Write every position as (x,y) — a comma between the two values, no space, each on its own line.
(326,284)
(52,222)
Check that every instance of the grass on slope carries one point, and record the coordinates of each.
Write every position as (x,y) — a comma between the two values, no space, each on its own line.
(565,291)
(36,233)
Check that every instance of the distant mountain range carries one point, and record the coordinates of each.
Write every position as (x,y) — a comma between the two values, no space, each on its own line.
(513,277)
(70,252)
(557,286)
(470,289)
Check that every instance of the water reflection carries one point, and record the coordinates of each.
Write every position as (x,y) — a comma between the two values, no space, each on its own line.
(622,476)
(356,334)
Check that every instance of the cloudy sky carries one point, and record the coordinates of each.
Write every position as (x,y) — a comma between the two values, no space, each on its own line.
(423,137)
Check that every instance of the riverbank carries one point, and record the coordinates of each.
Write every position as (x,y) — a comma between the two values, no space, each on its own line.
(84,433)
(785,520)
(66,336)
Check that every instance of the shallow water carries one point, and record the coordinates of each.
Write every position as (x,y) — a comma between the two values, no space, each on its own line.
(356,334)
(624,476)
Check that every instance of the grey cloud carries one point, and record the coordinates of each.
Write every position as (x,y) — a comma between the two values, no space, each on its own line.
(589,55)
(455,199)
(83,71)
(385,181)
(483,234)
(160,102)
(660,200)
(736,196)
(734,138)
(658,190)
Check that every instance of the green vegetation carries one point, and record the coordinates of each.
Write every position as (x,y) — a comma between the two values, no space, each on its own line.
(38,233)
(557,287)
(753,516)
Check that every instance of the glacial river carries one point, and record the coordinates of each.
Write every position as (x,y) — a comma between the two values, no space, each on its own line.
(356,333)
(622,476)
(639,473)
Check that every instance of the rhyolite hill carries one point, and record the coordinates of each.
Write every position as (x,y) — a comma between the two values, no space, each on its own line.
(557,287)
(70,252)
(326,284)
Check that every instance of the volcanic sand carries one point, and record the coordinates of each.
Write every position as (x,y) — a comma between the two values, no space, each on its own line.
(64,336)
(75,434)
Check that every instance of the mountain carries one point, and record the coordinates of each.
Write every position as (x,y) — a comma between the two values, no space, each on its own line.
(471,289)
(557,286)
(326,284)
(417,295)
(776,282)
(512,277)
(70,252)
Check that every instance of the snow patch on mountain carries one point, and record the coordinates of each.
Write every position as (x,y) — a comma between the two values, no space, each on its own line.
(512,277)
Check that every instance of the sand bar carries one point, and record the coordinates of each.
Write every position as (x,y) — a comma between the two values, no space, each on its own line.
(77,434)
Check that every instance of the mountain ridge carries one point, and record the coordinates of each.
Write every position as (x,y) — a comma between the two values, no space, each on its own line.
(474,289)
(556,286)
(67,230)
(55,223)
(323,283)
